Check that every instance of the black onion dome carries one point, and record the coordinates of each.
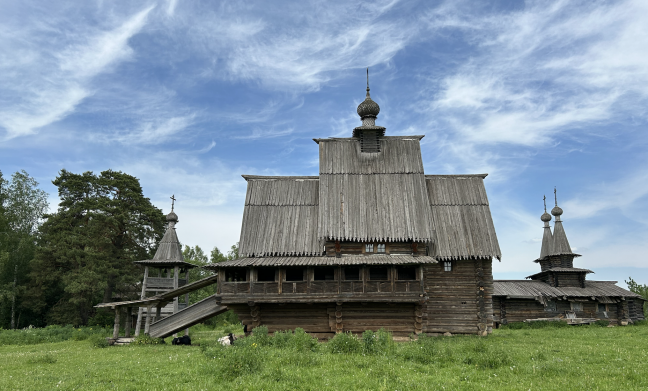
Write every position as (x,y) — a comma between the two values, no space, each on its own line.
(368,108)
(545,217)
(172,217)
(556,211)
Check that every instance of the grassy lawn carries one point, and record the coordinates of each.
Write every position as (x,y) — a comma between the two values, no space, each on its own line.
(579,358)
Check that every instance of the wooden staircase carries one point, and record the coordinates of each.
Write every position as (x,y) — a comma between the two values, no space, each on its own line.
(187,317)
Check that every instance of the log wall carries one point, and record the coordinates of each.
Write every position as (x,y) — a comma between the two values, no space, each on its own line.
(323,320)
(519,310)
(460,301)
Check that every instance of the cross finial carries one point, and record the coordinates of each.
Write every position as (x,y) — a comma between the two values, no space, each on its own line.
(555,196)
(367,82)
(544,198)
(173,200)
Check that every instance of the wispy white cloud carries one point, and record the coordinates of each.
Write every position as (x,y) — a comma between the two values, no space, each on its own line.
(551,67)
(300,47)
(46,83)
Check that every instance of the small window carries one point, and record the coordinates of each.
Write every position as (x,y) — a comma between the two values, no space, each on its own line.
(602,308)
(236,275)
(266,274)
(381,247)
(352,273)
(378,274)
(324,274)
(550,306)
(577,307)
(447,266)
(369,248)
(406,273)
(295,274)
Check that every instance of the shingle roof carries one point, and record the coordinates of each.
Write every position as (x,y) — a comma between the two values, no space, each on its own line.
(461,219)
(373,196)
(562,269)
(376,259)
(539,290)
(280,217)
(169,252)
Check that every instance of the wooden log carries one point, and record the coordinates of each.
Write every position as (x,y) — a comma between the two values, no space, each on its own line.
(148,319)
(127,324)
(117,322)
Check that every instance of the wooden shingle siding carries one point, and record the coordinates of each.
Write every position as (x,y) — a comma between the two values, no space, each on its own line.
(603,291)
(461,218)
(280,218)
(379,207)
(375,259)
(398,155)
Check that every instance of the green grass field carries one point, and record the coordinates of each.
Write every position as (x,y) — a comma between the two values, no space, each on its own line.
(550,358)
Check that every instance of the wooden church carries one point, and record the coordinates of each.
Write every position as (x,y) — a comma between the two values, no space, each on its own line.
(561,291)
(371,242)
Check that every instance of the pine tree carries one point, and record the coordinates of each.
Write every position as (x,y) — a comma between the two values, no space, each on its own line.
(103,224)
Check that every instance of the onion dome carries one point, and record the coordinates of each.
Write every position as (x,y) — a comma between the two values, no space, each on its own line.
(368,108)
(172,217)
(546,217)
(556,211)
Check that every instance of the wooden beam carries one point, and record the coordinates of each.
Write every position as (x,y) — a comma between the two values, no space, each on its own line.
(148,319)
(116,327)
(140,311)
(127,324)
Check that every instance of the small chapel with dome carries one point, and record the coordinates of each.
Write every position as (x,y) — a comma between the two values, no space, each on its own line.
(560,290)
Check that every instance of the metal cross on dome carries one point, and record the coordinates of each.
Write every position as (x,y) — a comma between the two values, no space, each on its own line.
(544,198)
(173,200)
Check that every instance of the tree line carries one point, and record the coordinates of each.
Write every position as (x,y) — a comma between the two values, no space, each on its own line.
(54,267)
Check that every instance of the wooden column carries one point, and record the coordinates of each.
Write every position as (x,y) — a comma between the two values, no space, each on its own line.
(140,311)
(482,316)
(339,326)
(176,276)
(116,327)
(187,297)
(158,312)
(148,320)
(127,324)
(255,314)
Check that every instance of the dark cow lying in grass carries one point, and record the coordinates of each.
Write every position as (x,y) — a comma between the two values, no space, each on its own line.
(184,340)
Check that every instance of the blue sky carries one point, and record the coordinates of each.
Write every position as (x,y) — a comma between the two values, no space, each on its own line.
(187,96)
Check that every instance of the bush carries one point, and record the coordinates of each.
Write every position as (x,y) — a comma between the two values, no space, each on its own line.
(145,339)
(380,342)
(99,342)
(31,336)
(344,343)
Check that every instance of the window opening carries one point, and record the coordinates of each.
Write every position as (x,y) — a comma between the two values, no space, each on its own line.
(406,273)
(352,273)
(369,248)
(577,307)
(381,247)
(378,274)
(324,274)
(236,275)
(295,274)
(447,266)
(601,308)
(266,274)
(550,306)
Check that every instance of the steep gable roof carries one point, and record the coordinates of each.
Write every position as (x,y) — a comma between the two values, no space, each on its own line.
(461,217)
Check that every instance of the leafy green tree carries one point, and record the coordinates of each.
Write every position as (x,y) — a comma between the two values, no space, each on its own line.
(103,224)
(641,289)
(218,256)
(197,256)
(22,207)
